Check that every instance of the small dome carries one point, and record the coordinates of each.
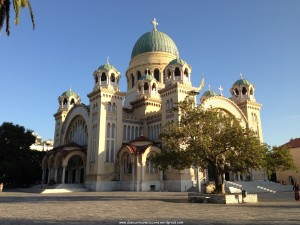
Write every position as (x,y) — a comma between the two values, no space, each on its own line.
(107,67)
(177,61)
(146,77)
(242,82)
(209,93)
(70,93)
(154,41)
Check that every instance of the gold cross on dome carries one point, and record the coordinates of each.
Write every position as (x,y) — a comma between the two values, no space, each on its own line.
(154,24)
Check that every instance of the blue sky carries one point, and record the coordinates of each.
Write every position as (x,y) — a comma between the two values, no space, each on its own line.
(220,39)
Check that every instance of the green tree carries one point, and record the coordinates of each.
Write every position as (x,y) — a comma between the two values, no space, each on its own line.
(5,12)
(19,165)
(279,159)
(209,138)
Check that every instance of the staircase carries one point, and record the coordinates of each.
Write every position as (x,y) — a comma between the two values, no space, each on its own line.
(64,188)
(256,187)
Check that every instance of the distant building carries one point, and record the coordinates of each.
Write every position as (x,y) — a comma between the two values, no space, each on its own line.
(289,177)
(40,144)
(108,144)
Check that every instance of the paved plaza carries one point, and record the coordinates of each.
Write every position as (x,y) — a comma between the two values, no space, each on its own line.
(91,208)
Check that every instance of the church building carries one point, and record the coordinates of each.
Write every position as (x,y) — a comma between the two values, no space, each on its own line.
(108,144)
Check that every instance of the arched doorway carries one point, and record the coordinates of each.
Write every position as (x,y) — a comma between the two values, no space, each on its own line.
(74,173)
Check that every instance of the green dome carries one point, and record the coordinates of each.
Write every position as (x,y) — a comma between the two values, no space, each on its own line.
(177,61)
(146,77)
(242,82)
(154,41)
(70,93)
(209,93)
(107,67)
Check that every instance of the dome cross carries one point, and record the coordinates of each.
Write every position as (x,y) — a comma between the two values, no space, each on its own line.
(154,23)
(220,89)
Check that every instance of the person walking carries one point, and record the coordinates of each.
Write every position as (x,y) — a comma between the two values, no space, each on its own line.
(297,192)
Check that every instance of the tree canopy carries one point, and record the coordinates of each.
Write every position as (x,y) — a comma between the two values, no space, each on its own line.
(19,165)
(5,12)
(279,159)
(212,138)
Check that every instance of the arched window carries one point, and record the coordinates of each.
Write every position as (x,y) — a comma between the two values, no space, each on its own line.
(177,72)
(109,107)
(136,132)
(132,80)
(132,132)
(150,166)
(146,86)
(153,87)
(154,132)
(113,130)
(72,101)
(168,105)
(186,73)
(112,78)
(108,130)
(237,91)
(110,142)
(128,132)
(251,91)
(103,77)
(65,101)
(244,91)
(114,107)
(127,164)
(156,74)
(171,103)
(139,75)
(169,74)
(124,133)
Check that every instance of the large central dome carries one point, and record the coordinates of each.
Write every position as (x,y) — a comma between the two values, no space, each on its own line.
(154,41)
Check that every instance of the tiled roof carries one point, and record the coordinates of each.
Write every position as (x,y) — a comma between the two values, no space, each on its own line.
(141,138)
(294,143)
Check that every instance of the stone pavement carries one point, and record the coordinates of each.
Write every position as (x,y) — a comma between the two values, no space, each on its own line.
(91,208)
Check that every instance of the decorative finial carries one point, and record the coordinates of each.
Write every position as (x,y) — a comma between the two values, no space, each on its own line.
(147,71)
(220,89)
(154,24)
(70,88)
(209,87)
(201,85)
(107,60)
(241,75)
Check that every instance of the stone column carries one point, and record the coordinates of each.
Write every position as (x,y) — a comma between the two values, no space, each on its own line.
(55,174)
(133,172)
(63,175)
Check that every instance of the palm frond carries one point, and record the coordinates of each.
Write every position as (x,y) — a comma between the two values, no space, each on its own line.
(4,14)
(31,13)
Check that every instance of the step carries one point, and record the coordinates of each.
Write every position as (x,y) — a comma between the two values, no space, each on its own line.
(65,188)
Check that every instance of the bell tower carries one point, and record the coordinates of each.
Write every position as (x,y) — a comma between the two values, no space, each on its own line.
(242,93)
(66,101)
(106,132)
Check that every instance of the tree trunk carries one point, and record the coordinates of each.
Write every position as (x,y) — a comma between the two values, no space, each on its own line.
(217,180)
(223,184)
